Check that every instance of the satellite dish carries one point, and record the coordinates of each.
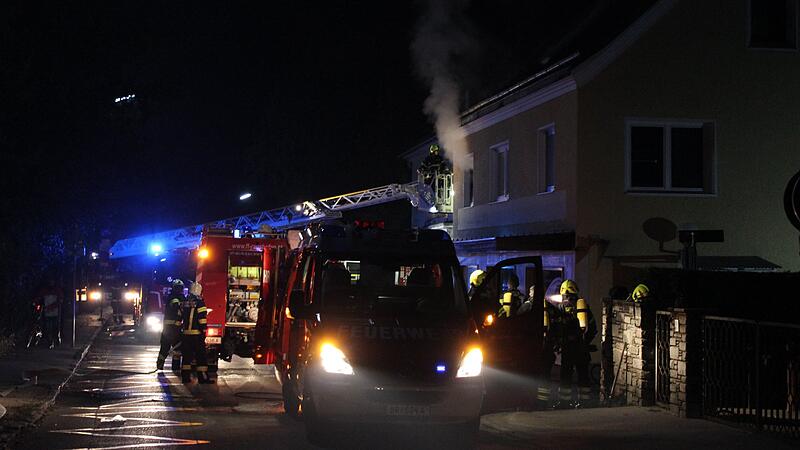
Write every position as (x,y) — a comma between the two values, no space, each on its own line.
(791,200)
(660,229)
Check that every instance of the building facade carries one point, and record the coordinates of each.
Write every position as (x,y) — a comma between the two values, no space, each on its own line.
(688,117)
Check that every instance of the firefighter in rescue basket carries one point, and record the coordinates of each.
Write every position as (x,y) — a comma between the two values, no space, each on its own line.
(193,334)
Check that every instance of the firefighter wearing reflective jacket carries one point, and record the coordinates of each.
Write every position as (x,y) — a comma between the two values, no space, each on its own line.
(575,328)
(170,333)
(549,348)
(512,298)
(193,335)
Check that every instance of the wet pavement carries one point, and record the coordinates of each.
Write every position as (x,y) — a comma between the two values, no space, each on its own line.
(116,400)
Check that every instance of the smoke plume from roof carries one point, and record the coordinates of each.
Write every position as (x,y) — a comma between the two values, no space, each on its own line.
(441,39)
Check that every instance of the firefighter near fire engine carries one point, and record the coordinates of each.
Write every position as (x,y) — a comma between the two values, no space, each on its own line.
(193,333)
(170,333)
(573,328)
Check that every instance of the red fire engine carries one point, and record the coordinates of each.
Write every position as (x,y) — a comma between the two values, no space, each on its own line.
(239,275)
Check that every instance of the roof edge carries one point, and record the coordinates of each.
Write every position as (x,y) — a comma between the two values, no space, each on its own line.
(597,62)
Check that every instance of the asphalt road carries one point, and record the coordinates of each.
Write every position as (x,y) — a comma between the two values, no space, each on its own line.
(116,400)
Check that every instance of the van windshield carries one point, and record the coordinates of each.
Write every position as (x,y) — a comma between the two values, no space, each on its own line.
(380,286)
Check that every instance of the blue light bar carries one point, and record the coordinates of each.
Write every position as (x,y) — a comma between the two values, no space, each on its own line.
(440,368)
(156,248)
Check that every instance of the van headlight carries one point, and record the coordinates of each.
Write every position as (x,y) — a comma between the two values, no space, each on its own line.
(334,361)
(154,324)
(471,364)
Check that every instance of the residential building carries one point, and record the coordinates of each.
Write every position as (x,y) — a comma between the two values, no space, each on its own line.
(685,119)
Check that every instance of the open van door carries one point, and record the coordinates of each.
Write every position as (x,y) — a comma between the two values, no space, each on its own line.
(511,323)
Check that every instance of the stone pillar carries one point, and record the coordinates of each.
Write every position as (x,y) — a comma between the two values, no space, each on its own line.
(686,371)
(630,327)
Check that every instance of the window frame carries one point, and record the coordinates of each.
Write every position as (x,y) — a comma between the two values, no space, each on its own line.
(542,133)
(496,150)
(468,181)
(749,28)
(709,185)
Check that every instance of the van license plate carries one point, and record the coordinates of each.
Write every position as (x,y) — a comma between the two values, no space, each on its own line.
(213,340)
(408,410)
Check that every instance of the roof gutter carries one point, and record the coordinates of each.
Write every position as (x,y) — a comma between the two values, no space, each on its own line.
(521,84)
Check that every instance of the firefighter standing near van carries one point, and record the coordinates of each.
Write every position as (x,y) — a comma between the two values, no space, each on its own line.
(193,335)
(170,333)
(512,298)
(576,329)
(549,348)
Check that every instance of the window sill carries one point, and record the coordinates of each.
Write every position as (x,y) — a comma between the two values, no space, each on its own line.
(501,199)
(774,49)
(546,192)
(645,193)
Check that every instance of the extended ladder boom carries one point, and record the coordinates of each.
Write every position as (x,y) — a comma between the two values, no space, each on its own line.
(291,216)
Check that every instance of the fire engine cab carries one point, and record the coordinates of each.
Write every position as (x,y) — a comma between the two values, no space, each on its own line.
(374,326)
(239,276)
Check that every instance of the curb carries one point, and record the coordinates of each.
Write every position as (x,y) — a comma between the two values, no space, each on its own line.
(41,410)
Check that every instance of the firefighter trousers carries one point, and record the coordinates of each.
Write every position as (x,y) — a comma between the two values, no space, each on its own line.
(193,350)
(575,357)
(544,388)
(170,339)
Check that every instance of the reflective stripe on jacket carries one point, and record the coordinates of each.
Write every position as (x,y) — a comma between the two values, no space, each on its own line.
(194,316)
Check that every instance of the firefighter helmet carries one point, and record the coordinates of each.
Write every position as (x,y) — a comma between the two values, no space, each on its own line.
(476,278)
(568,287)
(434,149)
(177,283)
(640,293)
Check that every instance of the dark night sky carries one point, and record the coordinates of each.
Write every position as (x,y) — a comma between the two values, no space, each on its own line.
(291,100)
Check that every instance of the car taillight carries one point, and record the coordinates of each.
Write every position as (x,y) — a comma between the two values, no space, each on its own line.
(213,331)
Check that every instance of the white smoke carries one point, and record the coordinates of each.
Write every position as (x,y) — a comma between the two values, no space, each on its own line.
(440,39)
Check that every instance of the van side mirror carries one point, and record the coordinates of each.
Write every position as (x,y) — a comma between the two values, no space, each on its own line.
(296,304)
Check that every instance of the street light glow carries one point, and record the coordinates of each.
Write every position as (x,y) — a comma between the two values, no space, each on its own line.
(245,196)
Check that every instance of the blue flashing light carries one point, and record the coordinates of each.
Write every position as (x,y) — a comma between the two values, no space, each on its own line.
(441,368)
(156,249)
(163,259)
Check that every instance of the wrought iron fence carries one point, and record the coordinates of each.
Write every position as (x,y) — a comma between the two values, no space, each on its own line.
(663,319)
(751,373)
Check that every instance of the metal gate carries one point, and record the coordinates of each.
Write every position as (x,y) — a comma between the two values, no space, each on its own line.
(751,373)
(663,319)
